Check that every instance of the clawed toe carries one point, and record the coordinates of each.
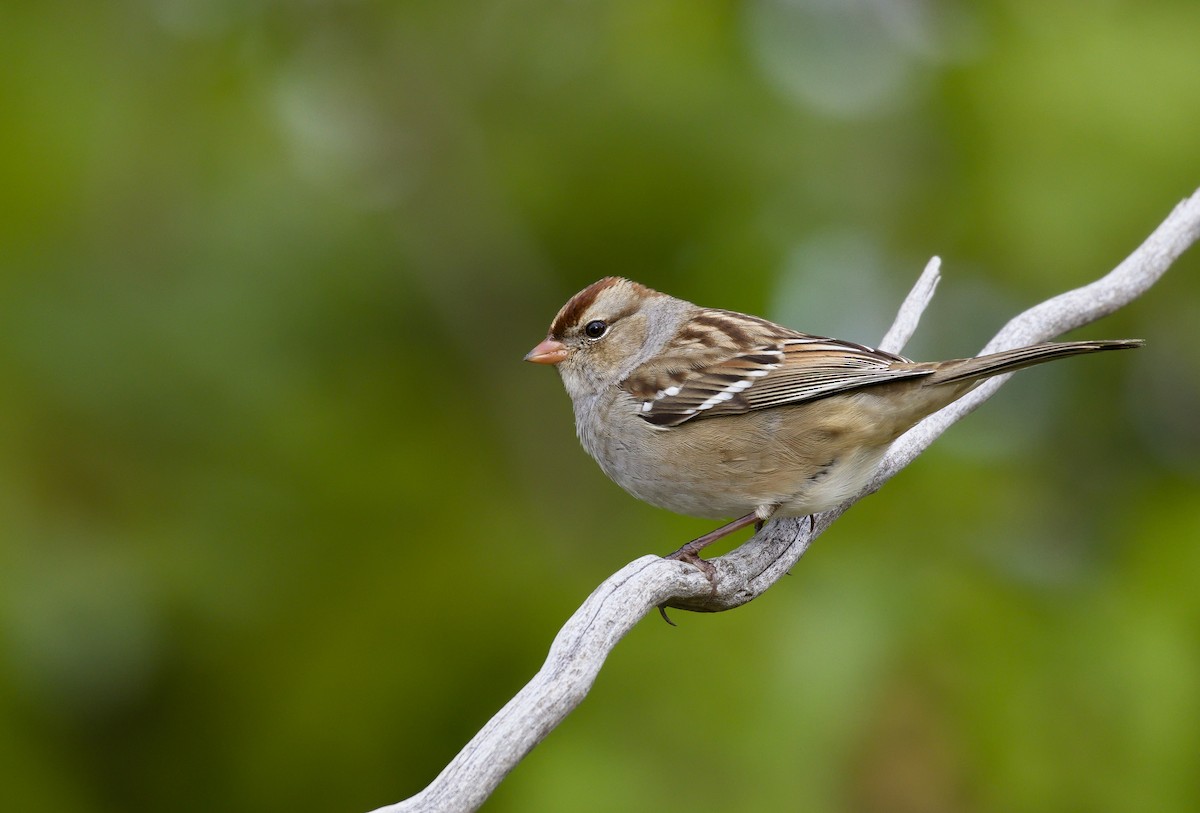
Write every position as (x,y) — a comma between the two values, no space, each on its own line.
(703,565)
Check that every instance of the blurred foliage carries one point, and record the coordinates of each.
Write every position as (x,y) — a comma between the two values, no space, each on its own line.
(284,520)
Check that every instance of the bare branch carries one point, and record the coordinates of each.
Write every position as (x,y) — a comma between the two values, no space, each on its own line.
(580,648)
(913,307)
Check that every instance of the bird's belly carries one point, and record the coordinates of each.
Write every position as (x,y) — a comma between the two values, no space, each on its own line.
(841,481)
(696,474)
(828,487)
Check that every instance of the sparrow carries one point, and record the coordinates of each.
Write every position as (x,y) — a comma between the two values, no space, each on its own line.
(713,413)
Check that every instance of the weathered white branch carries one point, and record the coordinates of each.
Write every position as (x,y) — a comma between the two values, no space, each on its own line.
(579,649)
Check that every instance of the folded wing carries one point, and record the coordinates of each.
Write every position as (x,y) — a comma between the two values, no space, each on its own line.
(713,379)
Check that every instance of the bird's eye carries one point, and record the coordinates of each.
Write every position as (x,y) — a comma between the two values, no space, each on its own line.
(595,329)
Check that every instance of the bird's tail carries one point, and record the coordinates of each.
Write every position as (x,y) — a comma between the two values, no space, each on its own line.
(1007,361)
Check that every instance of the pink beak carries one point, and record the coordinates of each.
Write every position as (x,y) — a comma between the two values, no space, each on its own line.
(550,351)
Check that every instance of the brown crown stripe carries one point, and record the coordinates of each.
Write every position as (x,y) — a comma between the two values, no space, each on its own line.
(572,312)
(576,305)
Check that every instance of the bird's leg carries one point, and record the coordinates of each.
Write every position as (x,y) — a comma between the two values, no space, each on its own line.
(690,551)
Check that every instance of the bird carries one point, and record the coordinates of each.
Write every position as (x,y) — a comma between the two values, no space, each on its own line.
(713,413)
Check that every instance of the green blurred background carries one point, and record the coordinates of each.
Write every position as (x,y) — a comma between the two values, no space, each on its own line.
(284,519)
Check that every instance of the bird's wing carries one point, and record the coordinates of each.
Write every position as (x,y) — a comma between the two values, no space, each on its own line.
(711,378)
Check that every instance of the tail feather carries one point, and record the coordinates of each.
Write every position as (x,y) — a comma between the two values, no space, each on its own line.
(1007,361)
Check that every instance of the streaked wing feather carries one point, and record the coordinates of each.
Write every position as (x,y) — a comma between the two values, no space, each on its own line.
(792,370)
